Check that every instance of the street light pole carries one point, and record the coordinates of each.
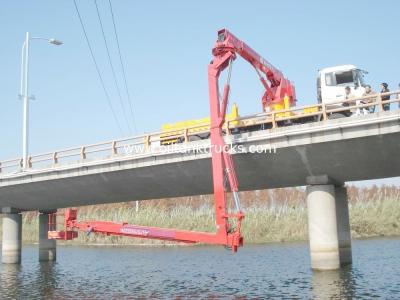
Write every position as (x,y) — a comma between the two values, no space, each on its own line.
(24,94)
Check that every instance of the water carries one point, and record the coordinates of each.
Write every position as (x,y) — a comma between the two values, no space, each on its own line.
(277,270)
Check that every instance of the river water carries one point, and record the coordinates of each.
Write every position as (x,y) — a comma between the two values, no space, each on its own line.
(264,271)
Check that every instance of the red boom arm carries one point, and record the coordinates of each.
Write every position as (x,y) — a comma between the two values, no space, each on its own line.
(277,88)
(71,226)
(275,84)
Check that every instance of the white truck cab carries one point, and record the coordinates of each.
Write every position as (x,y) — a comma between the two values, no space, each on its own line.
(331,83)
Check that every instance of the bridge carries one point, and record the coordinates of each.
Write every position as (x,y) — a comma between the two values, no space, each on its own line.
(321,155)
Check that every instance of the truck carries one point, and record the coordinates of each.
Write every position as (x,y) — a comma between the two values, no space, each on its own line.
(331,84)
(279,97)
(332,81)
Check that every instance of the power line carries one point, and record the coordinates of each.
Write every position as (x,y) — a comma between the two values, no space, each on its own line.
(123,68)
(97,69)
(112,68)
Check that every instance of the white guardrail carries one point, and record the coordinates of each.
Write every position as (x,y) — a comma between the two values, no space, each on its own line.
(110,149)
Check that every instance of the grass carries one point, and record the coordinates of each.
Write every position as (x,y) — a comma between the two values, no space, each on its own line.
(373,212)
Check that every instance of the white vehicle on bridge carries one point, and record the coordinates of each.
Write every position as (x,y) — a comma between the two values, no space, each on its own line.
(332,81)
(331,84)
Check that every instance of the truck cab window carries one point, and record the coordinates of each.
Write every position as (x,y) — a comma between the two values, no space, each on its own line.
(329,79)
(344,77)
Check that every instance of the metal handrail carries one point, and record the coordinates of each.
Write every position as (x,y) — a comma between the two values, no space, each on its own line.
(145,140)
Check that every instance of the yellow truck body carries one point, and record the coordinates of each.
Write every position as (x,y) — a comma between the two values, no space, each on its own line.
(171,132)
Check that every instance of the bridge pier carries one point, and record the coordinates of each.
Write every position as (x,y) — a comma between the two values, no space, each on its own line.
(47,247)
(329,226)
(12,238)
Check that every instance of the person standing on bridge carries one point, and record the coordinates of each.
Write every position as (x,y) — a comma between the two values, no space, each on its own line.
(368,92)
(348,96)
(384,89)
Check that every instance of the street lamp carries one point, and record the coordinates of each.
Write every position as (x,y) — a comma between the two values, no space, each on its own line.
(24,92)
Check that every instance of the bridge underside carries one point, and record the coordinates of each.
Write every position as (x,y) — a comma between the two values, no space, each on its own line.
(344,154)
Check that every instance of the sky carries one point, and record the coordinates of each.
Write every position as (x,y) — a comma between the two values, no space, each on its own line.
(166,46)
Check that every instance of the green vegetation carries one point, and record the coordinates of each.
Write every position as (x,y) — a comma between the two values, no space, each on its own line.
(271,216)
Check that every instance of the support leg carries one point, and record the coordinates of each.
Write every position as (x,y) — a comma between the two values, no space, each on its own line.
(12,234)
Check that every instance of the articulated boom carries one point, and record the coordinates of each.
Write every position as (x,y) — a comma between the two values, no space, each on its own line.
(277,87)
(278,90)
(72,226)
(227,234)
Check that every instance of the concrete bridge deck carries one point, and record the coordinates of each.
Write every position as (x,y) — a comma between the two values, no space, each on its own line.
(355,148)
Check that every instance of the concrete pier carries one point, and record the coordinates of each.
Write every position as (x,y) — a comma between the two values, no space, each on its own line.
(12,238)
(329,228)
(343,225)
(47,248)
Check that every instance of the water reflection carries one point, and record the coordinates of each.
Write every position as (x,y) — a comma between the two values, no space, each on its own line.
(47,279)
(264,271)
(337,284)
(18,281)
(10,280)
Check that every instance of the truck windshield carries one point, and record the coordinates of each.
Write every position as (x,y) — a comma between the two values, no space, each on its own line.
(339,78)
(344,77)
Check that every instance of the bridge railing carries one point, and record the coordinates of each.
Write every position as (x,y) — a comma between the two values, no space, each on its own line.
(144,143)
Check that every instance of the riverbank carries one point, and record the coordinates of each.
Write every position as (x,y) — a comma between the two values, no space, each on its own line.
(281,222)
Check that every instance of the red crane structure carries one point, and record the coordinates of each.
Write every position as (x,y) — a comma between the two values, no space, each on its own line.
(277,89)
